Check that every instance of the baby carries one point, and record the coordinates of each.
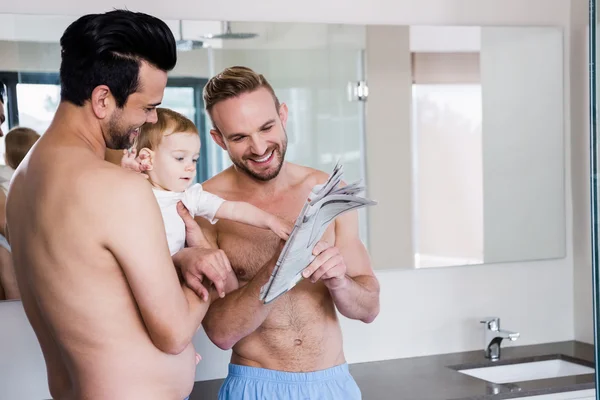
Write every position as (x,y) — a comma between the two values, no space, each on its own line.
(167,152)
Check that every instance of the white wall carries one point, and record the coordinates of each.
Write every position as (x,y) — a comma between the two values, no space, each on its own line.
(422,311)
(22,368)
(523,143)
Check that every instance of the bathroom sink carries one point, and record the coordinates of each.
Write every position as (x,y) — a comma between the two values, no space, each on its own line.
(528,371)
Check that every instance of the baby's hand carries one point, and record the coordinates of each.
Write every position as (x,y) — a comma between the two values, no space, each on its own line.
(131,162)
(281,227)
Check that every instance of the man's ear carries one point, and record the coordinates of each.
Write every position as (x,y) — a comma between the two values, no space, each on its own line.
(102,101)
(283,114)
(146,158)
(218,138)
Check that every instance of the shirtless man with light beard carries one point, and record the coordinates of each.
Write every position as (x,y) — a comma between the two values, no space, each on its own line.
(297,338)
(97,281)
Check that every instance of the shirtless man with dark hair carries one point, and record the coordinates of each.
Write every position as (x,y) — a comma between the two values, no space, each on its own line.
(96,277)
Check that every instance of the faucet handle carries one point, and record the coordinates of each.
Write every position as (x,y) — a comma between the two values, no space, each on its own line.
(492,323)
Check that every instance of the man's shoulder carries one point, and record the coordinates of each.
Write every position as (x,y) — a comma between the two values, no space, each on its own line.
(105,186)
(319,177)
(219,183)
(308,175)
(127,183)
(103,174)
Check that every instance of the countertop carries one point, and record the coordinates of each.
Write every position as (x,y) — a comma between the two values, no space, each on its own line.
(436,377)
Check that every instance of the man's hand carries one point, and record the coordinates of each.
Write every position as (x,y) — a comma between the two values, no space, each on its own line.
(193,233)
(196,264)
(328,266)
(200,261)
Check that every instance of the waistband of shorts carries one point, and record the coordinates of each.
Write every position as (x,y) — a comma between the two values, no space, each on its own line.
(243,371)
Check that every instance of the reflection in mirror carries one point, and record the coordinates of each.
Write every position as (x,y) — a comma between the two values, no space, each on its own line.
(487,137)
(480,137)
(17,143)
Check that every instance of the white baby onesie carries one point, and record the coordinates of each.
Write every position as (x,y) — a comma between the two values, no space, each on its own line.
(196,200)
(6,174)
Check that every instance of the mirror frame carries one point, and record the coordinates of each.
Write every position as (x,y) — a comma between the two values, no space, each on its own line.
(594,150)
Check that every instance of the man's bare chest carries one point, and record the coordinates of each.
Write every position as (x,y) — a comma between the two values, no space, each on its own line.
(249,248)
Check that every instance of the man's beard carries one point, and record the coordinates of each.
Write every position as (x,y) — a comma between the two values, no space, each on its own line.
(278,152)
(118,137)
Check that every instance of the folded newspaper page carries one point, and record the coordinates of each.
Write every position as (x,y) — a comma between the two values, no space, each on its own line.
(324,204)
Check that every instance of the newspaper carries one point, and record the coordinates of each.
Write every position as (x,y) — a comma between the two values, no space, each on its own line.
(324,204)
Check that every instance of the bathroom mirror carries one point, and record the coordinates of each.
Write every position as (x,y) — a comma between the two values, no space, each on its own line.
(458,131)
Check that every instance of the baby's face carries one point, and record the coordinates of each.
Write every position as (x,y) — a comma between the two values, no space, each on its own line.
(174,164)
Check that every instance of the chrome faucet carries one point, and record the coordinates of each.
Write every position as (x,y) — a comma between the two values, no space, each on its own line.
(494,336)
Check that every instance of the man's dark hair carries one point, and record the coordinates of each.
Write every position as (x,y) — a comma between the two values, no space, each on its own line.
(1,92)
(107,49)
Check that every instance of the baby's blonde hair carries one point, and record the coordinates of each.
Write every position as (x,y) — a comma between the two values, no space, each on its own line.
(168,123)
(18,142)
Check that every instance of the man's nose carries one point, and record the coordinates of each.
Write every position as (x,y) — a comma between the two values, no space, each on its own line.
(258,145)
(152,117)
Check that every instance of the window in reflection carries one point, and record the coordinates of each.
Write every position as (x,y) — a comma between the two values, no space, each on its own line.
(184,95)
(37,104)
(180,99)
(37,96)
(183,99)
(447,174)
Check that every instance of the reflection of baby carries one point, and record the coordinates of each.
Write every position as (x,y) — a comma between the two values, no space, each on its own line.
(18,142)
(168,152)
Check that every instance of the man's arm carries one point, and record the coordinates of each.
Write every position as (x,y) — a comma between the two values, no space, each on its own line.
(202,258)
(172,313)
(240,312)
(345,269)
